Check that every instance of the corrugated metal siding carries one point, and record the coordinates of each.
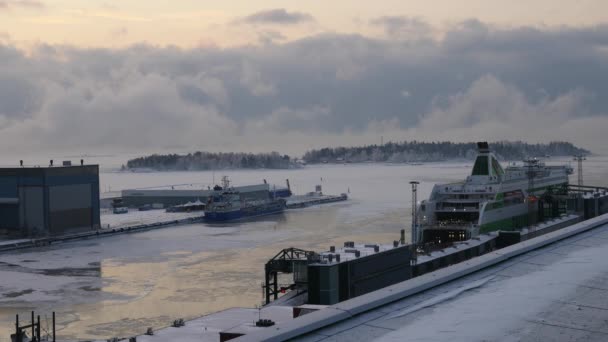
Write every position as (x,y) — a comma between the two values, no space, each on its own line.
(66,197)
(32,209)
(8,187)
(50,200)
(9,216)
(69,220)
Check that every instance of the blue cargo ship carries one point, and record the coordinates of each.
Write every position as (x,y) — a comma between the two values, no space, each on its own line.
(231,206)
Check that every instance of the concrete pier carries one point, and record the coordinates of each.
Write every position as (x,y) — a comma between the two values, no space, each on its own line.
(368,317)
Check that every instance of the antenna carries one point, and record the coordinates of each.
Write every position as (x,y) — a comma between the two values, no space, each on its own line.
(580,158)
(225,182)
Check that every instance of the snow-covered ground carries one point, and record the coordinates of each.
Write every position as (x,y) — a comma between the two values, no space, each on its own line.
(510,305)
(117,285)
(135,217)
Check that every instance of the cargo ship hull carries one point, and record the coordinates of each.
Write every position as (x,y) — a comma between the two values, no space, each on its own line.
(241,214)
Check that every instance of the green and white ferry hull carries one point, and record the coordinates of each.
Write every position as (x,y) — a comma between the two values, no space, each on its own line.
(490,199)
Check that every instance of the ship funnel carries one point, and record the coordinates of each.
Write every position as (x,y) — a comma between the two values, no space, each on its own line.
(483,147)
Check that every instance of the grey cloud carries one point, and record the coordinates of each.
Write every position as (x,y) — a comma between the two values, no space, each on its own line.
(403,27)
(19,98)
(277,16)
(270,37)
(524,83)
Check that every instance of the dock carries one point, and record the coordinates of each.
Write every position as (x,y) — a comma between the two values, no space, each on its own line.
(311,199)
(12,245)
(114,224)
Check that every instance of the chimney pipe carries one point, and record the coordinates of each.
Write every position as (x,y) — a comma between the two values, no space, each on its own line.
(81,162)
(21,163)
(51,162)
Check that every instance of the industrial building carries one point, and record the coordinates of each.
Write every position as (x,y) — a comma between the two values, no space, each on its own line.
(47,201)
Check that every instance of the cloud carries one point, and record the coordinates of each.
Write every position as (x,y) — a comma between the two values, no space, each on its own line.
(270,37)
(493,110)
(10,4)
(278,16)
(402,27)
(477,81)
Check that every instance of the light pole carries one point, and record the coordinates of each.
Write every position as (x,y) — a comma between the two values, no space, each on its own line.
(414,212)
(580,159)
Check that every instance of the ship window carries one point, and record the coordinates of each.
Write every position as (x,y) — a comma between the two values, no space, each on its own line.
(481,166)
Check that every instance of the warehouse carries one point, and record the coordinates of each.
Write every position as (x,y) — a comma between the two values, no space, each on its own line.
(46,201)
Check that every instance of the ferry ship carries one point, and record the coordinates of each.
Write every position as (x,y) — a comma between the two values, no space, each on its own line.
(231,206)
(490,199)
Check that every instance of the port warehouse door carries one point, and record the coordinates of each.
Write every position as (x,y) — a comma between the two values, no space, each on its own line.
(31,209)
(70,207)
(9,204)
(72,198)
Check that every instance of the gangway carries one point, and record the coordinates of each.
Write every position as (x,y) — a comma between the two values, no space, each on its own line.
(287,260)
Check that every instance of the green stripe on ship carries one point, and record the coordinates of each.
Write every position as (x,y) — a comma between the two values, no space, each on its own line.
(511,223)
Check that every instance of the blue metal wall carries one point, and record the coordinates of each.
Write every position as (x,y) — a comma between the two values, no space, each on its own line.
(12,179)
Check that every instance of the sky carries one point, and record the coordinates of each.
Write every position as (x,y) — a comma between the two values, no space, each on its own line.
(154,76)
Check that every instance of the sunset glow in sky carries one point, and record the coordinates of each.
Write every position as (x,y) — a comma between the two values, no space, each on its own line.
(191,23)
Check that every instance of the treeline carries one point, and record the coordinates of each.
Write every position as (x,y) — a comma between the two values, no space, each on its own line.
(415,151)
(211,161)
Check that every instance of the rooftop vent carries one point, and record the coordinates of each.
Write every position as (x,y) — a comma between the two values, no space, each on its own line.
(264,322)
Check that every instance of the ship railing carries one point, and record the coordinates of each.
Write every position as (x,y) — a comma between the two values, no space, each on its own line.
(456,210)
(452,226)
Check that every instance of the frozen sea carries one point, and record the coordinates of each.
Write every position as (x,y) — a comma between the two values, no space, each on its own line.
(119,286)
